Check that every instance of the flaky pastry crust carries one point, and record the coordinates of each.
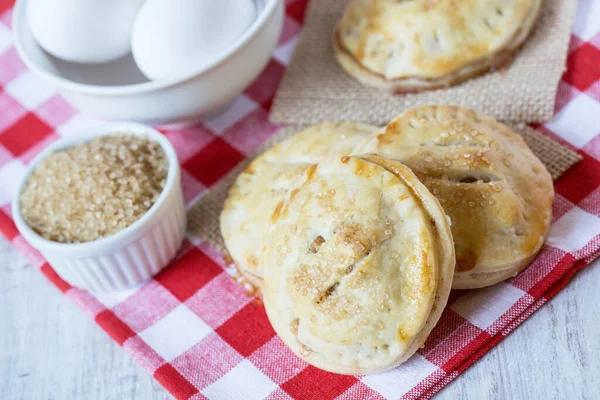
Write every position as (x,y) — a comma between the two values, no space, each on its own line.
(358,265)
(413,45)
(497,193)
(259,188)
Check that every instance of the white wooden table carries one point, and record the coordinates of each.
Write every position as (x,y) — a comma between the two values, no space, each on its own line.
(49,349)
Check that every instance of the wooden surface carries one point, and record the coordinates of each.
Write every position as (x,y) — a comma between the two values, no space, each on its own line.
(51,350)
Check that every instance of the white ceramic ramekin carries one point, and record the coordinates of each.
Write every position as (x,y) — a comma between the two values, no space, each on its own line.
(130,256)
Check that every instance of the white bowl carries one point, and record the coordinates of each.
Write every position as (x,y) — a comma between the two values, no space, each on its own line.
(119,91)
(130,256)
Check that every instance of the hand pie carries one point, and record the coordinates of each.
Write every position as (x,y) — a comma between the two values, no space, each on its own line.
(358,265)
(414,45)
(495,190)
(260,187)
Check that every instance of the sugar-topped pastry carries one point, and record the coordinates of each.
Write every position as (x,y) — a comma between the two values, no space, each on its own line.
(414,45)
(358,265)
(497,193)
(260,187)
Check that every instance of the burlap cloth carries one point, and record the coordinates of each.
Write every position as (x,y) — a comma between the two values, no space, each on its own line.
(203,217)
(316,89)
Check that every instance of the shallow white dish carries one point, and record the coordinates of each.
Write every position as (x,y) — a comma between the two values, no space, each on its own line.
(130,256)
(119,91)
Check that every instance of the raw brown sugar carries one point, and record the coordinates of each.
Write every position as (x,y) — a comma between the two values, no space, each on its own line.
(94,189)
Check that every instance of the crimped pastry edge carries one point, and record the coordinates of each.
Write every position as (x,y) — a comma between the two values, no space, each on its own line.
(480,279)
(446,266)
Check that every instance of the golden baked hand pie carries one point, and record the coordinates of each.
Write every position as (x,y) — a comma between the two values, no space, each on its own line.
(260,187)
(496,191)
(358,265)
(414,45)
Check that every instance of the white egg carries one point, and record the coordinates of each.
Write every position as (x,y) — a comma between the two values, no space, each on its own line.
(84,31)
(173,38)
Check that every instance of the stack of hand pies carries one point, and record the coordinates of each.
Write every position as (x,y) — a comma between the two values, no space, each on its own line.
(354,234)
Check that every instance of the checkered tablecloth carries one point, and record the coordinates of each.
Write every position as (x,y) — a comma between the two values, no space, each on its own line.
(198,333)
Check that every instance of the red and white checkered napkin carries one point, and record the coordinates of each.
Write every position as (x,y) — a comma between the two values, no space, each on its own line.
(198,333)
